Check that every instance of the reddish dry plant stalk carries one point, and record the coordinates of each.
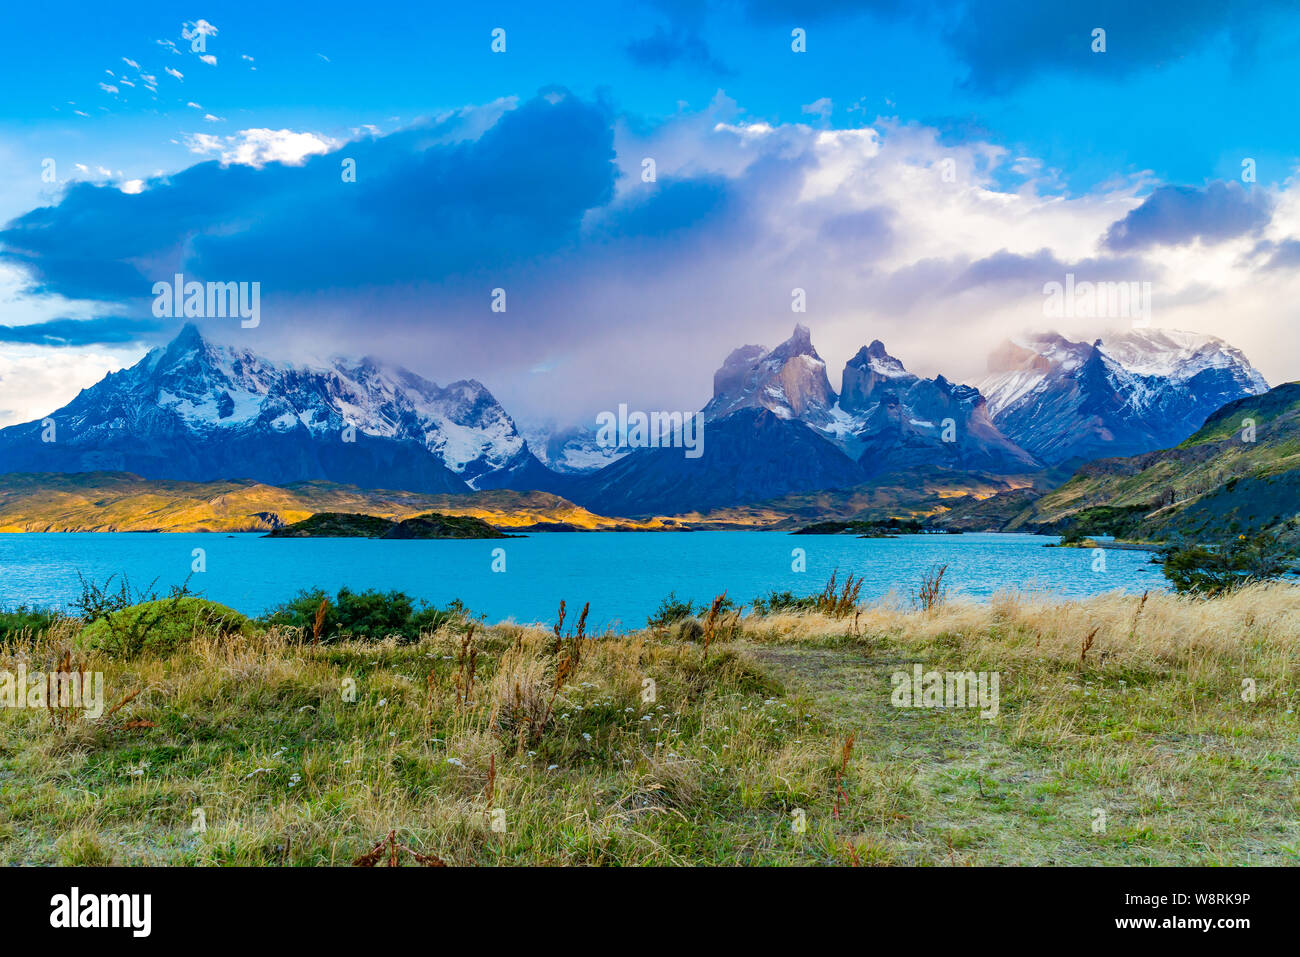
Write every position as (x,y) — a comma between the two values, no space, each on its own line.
(1087,644)
(839,600)
(841,796)
(113,710)
(1132,632)
(559,629)
(932,591)
(711,622)
(61,715)
(394,848)
(59,703)
(567,663)
(952,854)
(318,625)
(468,662)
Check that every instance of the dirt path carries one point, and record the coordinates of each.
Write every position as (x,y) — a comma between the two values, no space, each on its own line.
(845,686)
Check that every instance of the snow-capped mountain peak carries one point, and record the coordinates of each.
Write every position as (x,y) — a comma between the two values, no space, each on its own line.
(1176,355)
(218,398)
(1122,394)
(789,381)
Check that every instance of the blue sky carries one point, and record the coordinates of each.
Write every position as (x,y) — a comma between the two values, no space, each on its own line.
(521,169)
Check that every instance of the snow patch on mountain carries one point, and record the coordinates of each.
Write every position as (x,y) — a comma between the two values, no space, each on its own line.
(212,389)
(1125,393)
(571,450)
(885,417)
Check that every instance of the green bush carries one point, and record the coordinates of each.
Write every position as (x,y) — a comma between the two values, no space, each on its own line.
(1215,569)
(1119,521)
(783,601)
(25,620)
(300,612)
(160,626)
(367,615)
(1072,535)
(670,610)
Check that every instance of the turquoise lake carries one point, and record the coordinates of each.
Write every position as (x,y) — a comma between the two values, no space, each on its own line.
(623,574)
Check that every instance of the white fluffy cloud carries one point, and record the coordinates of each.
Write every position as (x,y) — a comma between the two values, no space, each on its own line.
(34,381)
(939,250)
(257,147)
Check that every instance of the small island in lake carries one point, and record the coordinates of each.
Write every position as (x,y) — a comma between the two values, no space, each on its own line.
(353,525)
(863,528)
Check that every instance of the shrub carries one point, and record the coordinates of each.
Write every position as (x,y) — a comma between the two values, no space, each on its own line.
(836,600)
(670,610)
(841,603)
(25,621)
(688,629)
(1216,569)
(366,615)
(1073,535)
(783,601)
(98,601)
(374,614)
(160,626)
(300,612)
(932,592)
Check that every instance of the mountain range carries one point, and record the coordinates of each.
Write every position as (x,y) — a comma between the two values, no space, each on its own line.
(1236,475)
(1122,394)
(197,411)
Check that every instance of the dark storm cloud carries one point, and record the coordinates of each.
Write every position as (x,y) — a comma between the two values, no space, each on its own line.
(80,332)
(1174,215)
(1003,43)
(417,212)
(670,46)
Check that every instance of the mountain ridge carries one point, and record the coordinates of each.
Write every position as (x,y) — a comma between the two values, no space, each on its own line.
(192,410)
(199,411)
(1122,394)
(1238,474)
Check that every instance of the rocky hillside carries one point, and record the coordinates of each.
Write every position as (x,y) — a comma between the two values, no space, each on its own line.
(1237,474)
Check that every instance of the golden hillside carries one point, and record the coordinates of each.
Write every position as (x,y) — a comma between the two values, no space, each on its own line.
(122,502)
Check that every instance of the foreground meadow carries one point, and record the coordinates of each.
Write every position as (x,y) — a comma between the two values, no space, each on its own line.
(1130,730)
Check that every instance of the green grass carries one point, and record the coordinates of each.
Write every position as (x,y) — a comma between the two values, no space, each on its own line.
(261,734)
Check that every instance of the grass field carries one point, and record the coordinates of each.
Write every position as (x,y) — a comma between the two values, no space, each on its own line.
(1123,736)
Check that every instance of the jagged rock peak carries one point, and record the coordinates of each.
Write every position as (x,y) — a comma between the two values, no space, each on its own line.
(789,381)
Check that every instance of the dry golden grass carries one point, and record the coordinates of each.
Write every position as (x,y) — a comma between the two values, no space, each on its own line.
(648,753)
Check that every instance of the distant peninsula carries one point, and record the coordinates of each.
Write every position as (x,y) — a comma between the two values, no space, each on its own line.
(355,525)
(889,528)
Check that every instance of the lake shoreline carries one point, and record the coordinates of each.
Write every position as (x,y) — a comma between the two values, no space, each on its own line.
(624,575)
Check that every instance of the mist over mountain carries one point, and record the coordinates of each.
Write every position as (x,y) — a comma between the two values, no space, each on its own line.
(1122,394)
(199,411)
(196,410)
